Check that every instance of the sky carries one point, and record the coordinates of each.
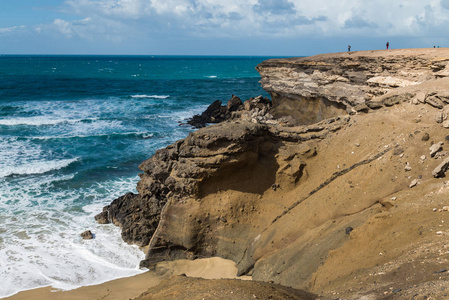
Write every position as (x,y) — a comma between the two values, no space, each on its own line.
(219,27)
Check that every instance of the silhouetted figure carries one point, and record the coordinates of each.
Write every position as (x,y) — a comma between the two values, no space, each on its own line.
(349,48)
(388,45)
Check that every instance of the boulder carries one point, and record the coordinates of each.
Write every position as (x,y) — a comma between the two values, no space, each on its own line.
(434,101)
(234,104)
(131,213)
(213,114)
(87,235)
(435,148)
(257,102)
(441,169)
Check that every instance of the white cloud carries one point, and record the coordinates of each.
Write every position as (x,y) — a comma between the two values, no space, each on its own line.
(265,17)
(199,18)
(12,29)
(152,22)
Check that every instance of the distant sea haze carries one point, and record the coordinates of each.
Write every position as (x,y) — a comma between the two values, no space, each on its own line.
(73,130)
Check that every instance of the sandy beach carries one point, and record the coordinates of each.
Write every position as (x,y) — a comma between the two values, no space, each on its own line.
(131,287)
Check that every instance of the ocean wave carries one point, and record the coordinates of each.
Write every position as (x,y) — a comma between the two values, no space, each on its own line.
(43,247)
(38,167)
(8,109)
(35,121)
(212,76)
(151,96)
(118,135)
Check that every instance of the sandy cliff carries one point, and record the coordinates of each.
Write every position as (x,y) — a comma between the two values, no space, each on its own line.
(335,195)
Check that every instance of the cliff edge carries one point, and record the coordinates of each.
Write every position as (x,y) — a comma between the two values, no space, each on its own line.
(313,88)
(340,194)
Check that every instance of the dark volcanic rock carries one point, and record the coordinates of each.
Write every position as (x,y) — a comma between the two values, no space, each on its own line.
(137,216)
(215,113)
(234,109)
(234,104)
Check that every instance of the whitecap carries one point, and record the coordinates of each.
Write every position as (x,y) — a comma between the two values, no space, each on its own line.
(81,136)
(36,167)
(35,121)
(147,135)
(151,96)
(212,76)
(43,247)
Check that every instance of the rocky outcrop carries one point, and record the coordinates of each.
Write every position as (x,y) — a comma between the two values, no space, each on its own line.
(313,88)
(182,287)
(255,109)
(228,156)
(316,198)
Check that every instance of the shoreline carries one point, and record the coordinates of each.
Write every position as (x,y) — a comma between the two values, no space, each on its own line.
(133,286)
(122,288)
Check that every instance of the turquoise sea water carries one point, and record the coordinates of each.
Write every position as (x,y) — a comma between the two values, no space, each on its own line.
(73,130)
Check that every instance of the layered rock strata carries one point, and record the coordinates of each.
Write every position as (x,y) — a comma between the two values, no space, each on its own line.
(337,198)
(312,88)
(240,156)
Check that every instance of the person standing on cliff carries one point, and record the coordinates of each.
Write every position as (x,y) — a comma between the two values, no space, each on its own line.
(349,48)
(388,45)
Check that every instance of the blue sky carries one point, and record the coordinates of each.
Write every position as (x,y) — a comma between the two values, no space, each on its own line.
(219,27)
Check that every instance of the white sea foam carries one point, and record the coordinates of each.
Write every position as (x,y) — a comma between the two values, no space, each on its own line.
(142,134)
(151,96)
(40,242)
(43,212)
(22,157)
(36,167)
(212,76)
(182,115)
(35,121)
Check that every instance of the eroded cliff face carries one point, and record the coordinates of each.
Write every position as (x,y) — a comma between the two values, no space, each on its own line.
(337,207)
(314,88)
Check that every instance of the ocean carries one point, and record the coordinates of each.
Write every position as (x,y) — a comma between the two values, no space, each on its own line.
(73,130)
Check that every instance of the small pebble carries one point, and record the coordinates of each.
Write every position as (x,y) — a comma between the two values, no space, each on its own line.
(439,232)
(407,167)
(414,183)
